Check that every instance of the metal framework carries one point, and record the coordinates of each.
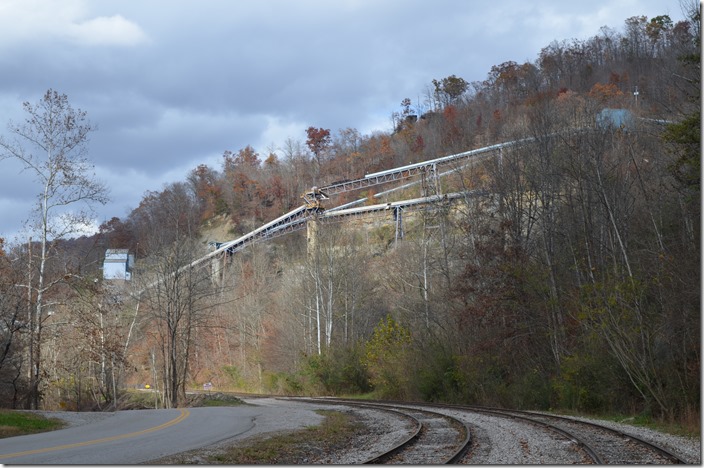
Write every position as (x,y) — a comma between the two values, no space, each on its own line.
(409,170)
(299,217)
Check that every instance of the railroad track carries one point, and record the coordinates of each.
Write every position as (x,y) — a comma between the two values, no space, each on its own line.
(606,445)
(585,442)
(432,438)
(441,439)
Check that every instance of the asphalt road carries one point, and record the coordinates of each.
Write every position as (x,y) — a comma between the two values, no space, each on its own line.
(129,437)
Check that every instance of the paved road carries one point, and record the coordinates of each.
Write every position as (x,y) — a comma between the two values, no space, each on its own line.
(128,437)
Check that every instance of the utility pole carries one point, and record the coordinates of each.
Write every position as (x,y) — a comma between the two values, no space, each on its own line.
(635,95)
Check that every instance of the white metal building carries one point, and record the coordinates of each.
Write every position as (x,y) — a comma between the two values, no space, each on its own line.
(118,264)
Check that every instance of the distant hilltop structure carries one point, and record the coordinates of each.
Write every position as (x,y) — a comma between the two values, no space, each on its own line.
(118,264)
(615,118)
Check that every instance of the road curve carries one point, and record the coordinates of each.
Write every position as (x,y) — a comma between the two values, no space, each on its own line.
(129,437)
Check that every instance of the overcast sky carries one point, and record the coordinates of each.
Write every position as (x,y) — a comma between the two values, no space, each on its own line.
(171,84)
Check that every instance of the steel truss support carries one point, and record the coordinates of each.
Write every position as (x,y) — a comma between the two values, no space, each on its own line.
(398,218)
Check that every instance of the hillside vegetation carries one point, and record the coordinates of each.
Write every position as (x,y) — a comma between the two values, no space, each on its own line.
(572,284)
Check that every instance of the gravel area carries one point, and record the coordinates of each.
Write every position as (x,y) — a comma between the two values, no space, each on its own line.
(497,441)
(281,416)
(687,448)
(383,431)
(502,441)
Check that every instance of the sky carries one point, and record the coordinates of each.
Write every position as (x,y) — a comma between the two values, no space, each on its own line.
(172,84)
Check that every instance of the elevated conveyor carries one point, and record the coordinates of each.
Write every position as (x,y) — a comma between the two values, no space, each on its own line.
(298,218)
(411,170)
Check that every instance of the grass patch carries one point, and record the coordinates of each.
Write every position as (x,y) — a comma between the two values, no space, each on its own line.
(15,423)
(297,447)
(686,430)
(691,429)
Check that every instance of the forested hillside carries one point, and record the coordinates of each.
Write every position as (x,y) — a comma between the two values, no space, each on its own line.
(572,283)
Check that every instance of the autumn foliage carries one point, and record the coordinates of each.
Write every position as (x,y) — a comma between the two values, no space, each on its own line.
(569,279)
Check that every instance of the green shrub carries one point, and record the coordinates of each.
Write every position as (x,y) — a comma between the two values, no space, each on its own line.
(234,377)
(437,377)
(339,371)
(583,385)
(532,390)
(386,356)
(285,383)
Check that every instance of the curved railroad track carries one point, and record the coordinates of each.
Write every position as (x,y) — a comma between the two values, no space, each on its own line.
(441,439)
(610,446)
(431,437)
(581,441)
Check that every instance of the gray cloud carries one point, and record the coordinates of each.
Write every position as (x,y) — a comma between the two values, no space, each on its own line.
(172,84)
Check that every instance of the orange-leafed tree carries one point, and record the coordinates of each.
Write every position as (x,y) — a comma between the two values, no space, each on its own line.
(242,177)
(606,93)
(204,183)
(318,142)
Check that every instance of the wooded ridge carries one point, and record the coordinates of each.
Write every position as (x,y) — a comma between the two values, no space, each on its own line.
(569,279)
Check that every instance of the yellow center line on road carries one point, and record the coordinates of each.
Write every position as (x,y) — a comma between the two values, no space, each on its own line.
(184,414)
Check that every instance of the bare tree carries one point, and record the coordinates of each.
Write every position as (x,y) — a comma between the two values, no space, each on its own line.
(176,302)
(98,329)
(13,307)
(175,294)
(52,145)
